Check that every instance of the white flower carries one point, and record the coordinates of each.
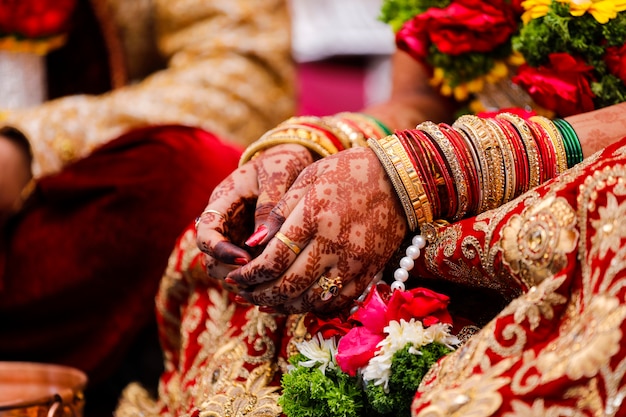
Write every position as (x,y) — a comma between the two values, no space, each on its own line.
(399,334)
(440,333)
(319,351)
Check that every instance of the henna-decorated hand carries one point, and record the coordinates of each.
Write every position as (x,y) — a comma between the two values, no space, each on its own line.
(344,216)
(245,198)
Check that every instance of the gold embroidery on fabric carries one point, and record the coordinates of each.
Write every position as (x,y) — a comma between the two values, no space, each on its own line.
(538,408)
(539,302)
(585,347)
(250,398)
(135,401)
(591,317)
(536,242)
(477,396)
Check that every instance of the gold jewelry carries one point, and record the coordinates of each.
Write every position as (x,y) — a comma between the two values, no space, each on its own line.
(330,287)
(290,243)
(210,211)
(557,141)
(396,181)
(460,180)
(532,151)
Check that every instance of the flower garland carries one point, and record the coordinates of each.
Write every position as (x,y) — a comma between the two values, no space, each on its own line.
(34,26)
(372,363)
(568,55)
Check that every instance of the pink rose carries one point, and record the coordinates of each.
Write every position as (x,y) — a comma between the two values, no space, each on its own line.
(356,348)
(615,59)
(381,306)
(463,26)
(561,86)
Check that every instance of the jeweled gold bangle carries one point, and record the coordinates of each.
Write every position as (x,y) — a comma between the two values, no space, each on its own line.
(354,137)
(532,152)
(510,179)
(448,150)
(394,177)
(279,139)
(339,138)
(557,141)
(371,127)
(490,159)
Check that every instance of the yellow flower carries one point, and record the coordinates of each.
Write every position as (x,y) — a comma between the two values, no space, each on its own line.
(601,10)
(535,9)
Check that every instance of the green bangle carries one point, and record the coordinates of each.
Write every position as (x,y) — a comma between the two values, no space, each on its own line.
(379,124)
(572,143)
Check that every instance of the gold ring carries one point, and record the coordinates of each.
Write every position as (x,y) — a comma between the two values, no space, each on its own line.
(290,243)
(209,211)
(330,287)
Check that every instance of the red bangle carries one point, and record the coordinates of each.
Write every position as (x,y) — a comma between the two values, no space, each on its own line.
(413,140)
(465,158)
(448,194)
(521,161)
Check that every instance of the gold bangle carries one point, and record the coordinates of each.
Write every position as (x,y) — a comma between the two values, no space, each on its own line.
(262,144)
(410,178)
(508,160)
(557,141)
(532,151)
(491,160)
(395,181)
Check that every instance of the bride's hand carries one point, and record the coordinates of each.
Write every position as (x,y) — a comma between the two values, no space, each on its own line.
(242,201)
(338,225)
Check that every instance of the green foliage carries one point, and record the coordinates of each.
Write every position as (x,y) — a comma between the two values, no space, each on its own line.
(582,37)
(407,371)
(397,12)
(462,68)
(307,392)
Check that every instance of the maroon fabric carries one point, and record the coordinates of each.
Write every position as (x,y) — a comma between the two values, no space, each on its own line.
(83,261)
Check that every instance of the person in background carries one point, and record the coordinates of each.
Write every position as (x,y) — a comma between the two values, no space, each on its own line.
(305,224)
(117,120)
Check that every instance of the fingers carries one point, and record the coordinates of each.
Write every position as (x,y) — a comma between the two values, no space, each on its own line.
(279,169)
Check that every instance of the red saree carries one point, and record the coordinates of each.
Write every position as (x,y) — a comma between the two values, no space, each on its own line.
(556,255)
(81,263)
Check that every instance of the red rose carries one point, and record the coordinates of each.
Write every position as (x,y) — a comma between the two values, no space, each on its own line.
(464,26)
(615,59)
(413,39)
(35,18)
(419,303)
(562,86)
(337,326)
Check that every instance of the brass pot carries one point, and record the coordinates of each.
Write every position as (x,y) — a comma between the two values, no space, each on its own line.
(29,389)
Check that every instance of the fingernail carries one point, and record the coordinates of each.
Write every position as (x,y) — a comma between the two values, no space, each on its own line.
(257,236)
(230,281)
(267,309)
(241,261)
(241,300)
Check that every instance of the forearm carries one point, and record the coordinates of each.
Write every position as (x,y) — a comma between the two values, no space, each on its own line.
(412,99)
(600,128)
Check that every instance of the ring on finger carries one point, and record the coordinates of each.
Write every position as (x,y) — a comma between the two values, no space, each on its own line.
(290,243)
(210,211)
(330,287)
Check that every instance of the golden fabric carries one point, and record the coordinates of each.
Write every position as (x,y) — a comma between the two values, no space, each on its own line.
(227,61)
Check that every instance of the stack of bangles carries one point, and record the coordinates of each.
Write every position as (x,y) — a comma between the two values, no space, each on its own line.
(324,136)
(477,164)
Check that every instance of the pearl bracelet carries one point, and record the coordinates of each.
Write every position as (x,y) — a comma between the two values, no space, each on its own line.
(407,262)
